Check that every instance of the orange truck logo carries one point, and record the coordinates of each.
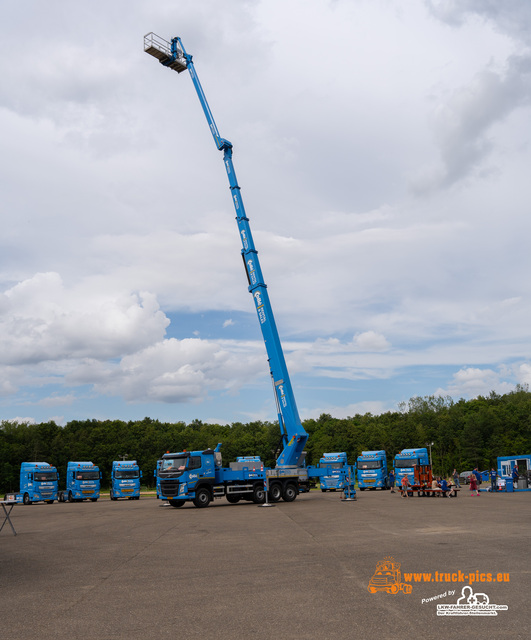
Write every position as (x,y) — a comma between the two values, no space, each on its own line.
(388,577)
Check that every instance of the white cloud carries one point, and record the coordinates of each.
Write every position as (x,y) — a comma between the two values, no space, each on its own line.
(171,371)
(472,382)
(42,320)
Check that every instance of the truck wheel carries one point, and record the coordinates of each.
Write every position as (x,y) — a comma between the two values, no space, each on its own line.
(362,488)
(258,494)
(112,496)
(275,492)
(94,499)
(70,498)
(290,492)
(176,503)
(26,499)
(233,499)
(49,501)
(202,498)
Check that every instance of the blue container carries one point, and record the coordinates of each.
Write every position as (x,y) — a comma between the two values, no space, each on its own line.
(509,485)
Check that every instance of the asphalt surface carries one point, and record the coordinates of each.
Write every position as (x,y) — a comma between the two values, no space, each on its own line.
(138,569)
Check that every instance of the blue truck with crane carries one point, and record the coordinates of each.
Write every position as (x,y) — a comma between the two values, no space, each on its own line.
(199,476)
(407,461)
(372,470)
(38,483)
(125,480)
(82,482)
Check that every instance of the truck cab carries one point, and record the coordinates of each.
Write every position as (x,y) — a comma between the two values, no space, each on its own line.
(334,472)
(406,461)
(82,482)
(372,470)
(125,480)
(38,483)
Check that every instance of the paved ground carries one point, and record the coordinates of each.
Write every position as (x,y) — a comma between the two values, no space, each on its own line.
(136,569)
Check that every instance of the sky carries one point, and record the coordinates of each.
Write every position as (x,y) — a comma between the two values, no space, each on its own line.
(383,152)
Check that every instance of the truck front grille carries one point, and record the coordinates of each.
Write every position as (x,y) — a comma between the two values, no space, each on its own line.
(169,488)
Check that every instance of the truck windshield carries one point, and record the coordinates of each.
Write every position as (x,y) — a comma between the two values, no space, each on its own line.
(332,465)
(126,474)
(407,463)
(370,464)
(174,464)
(45,476)
(87,475)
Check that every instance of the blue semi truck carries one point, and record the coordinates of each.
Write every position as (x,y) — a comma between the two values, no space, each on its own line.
(406,461)
(372,470)
(335,472)
(125,480)
(82,482)
(38,483)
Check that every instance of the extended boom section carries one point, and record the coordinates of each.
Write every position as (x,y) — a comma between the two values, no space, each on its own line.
(174,56)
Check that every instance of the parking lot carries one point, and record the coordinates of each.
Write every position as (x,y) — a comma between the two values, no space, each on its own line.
(138,569)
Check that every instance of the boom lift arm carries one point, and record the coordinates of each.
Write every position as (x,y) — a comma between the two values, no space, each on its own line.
(173,55)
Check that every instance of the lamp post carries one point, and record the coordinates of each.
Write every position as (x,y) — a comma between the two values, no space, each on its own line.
(430,445)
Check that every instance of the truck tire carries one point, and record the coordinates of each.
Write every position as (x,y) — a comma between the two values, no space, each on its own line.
(275,492)
(112,496)
(290,492)
(176,503)
(26,499)
(70,498)
(258,494)
(60,497)
(233,499)
(94,499)
(49,501)
(202,498)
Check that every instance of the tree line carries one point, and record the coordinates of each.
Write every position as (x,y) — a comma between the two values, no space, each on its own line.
(461,435)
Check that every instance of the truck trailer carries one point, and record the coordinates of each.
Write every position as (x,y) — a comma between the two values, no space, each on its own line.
(82,482)
(125,480)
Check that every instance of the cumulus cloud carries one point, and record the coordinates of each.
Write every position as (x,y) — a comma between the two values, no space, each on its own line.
(42,320)
(471,382)
(172,371)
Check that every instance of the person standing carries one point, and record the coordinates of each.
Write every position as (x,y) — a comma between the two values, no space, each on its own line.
(455,478)
(392,482)
(405,486)
(473,485)
(515,475)
(493,476)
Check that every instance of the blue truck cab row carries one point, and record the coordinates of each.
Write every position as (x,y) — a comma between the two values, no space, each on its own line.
(372,470)
(82,482)
(125,480)
(406,461)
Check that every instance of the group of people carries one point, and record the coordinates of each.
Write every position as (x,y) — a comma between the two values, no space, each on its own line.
(446,485)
